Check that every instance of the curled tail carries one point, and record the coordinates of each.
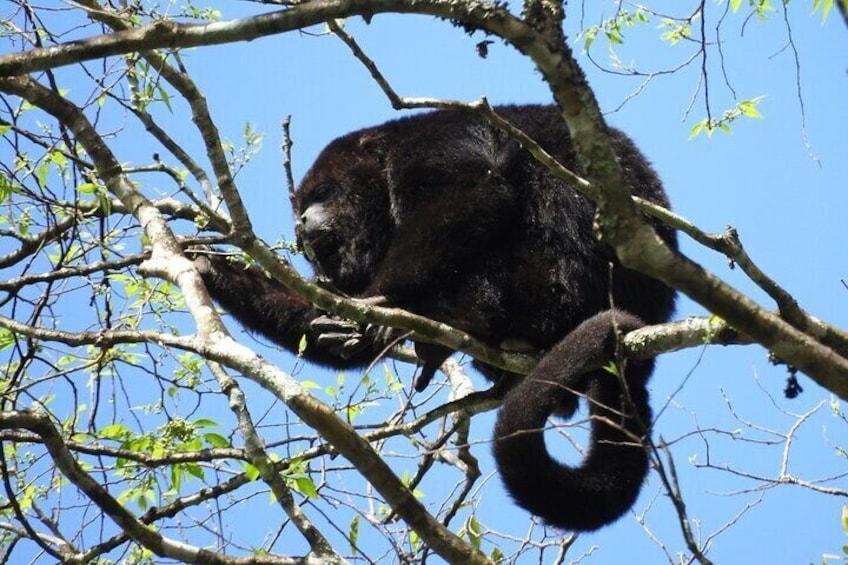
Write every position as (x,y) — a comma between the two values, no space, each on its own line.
(605,485)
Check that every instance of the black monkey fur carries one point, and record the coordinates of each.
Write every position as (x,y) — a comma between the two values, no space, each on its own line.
(444,215)
(607,482)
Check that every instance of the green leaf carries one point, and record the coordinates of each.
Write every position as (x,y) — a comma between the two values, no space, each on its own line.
(191,445)
(827,7)
(104,203)
(139,444)
(7,339)
(177,472)
(59,159)
(734,5)
(115,431)
(251,471)
(590,34)
(715,319)
(697,129)
(5,191)
(166,98)
(304,485)
(749,107)
(309,385)
(41,174)
(194,470)
(216,440)
(353,533)
(414,540)
(472,528)
(205,423)
(352,412)
(611,368)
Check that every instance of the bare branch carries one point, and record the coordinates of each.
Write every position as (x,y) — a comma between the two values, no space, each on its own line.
(255,450)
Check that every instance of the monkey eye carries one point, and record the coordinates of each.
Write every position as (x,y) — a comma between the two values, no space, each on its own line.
(321,193)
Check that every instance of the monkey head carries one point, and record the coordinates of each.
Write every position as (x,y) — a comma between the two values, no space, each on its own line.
(342,211)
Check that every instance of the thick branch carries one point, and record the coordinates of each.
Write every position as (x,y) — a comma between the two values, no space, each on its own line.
(730,245)
(168,34)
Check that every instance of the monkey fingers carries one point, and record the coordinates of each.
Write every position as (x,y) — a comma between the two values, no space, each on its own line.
(346,338)
(340,337)
(342,345)
(330,324)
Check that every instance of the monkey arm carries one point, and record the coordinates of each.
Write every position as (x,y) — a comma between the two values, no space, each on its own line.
(270,309)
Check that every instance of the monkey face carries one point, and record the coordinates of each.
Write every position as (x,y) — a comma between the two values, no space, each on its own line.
(314,226)
(342,219)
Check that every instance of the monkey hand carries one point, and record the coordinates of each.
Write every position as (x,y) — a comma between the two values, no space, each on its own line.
(202,263)
(209,261)
(347,339)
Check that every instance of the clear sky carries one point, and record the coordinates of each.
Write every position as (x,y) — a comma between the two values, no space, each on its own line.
(780,181)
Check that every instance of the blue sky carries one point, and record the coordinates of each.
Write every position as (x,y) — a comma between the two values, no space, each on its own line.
(788,207)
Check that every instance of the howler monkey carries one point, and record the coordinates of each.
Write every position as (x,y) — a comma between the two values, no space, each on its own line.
(446,216)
